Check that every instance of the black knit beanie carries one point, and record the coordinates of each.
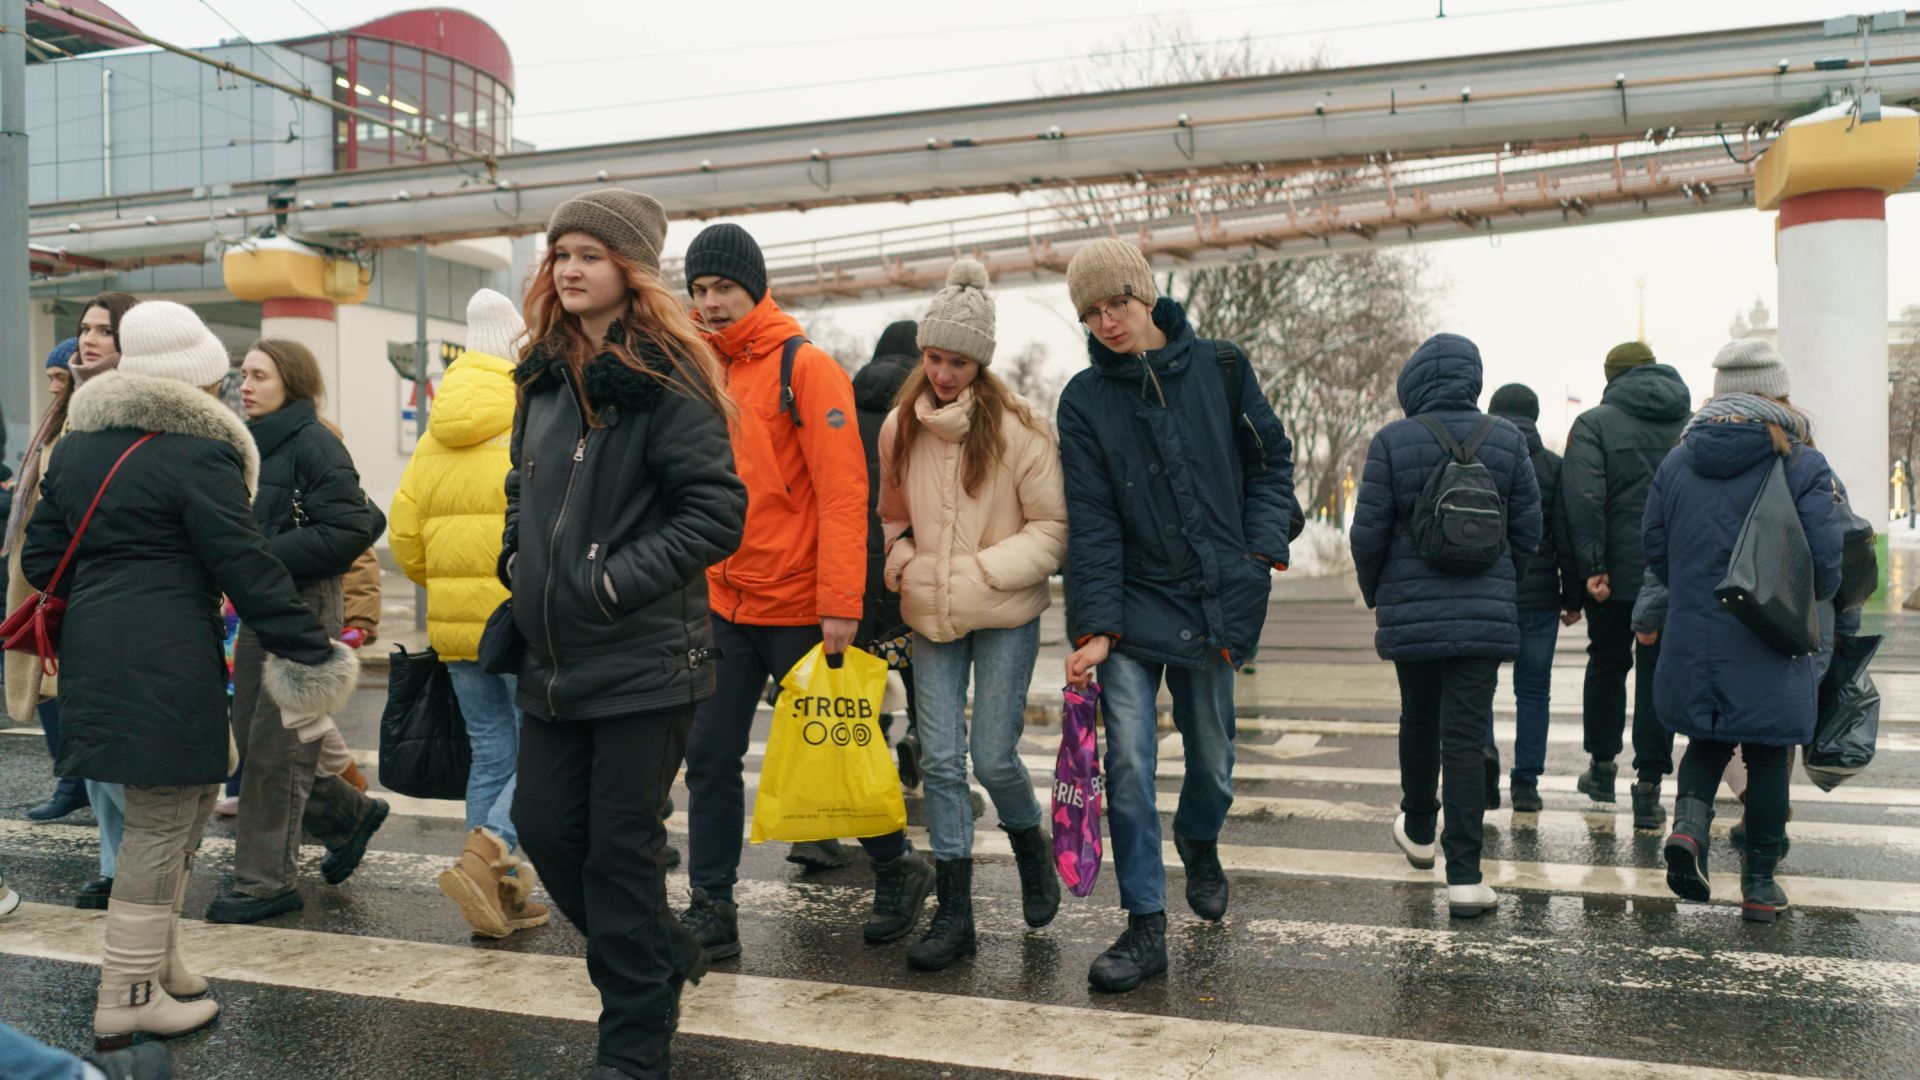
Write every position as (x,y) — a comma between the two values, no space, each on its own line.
(728,251)
(1514,399)
(898,339)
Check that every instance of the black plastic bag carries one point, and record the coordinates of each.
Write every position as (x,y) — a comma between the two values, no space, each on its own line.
(1848,724)
(423,737)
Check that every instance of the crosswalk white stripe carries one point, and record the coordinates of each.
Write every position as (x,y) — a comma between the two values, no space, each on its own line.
(911,1025)
(1890,742)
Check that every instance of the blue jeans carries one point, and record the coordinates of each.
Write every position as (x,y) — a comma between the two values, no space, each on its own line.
(109,802)
(23,1057)
(1532,689)
(493,733)
(1002,666)
(1203,713)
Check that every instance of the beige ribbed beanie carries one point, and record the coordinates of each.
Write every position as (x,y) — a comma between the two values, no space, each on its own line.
(960,319)
(1105,269)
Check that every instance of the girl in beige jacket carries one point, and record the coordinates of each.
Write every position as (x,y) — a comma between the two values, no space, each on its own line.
(976,522)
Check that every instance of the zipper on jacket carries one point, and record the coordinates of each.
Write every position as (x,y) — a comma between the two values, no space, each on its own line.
(553,539)
(593,581)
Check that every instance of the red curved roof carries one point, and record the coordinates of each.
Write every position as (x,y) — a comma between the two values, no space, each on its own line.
(464,37)
(82,28)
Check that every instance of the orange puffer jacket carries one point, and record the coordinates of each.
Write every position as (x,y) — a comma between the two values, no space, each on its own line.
(804,554)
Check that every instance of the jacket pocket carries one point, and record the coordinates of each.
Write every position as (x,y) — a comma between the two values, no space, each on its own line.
(596,574)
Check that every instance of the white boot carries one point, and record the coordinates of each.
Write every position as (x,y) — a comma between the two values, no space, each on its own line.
(1470,901)
(174,975)
(1420,855)
(132,1000)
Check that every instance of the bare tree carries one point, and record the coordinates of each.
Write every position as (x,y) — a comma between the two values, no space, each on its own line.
(1026,373)
(1326,334)
(850,350)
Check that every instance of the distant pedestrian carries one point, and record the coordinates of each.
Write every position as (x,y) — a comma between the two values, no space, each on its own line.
(971,498)
(1612,453)
(448,517)
(1446,628)
(622,493)
(1719,684)
(1550,595)
(882,631)
(143,700)
(317,520)
(1179,486)
(797,579)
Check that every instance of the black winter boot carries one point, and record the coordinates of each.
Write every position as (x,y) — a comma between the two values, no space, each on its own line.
(1140,953)
(1762,900)
(1647,811)
(950,936)
(715,924)
(1039,883)
(820,855)
(1526,797)
(1737,836)
(1206,882)
(141,1061)
(1597,782)
(900,888)
(1687,849)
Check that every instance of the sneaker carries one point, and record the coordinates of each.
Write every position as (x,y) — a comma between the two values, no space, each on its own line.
(227,806)
(1140,953)
(715,924)
(238,907)
(339,865)
(9,900)
(820,855)
(900,888)
(1420,855)
(1526,796)
(1470,901)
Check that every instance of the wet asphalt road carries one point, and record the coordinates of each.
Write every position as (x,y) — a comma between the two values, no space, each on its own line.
(1324,935)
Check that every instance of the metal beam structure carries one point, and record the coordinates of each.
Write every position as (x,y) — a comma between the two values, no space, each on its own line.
(1728,80)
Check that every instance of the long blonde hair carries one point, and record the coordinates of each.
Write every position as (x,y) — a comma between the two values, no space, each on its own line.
(983,449)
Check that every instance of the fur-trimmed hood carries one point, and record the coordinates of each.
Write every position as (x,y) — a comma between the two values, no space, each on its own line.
(611,386)
(128,400)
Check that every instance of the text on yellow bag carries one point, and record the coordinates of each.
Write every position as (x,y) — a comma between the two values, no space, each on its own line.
(827,772)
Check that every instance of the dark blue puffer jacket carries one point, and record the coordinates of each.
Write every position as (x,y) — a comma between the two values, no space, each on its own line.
(1716,679)
(1169,539)
(1424,613)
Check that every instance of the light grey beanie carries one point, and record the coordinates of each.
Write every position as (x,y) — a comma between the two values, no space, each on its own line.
(960,319)
(167,340)
(494,325)
(1750,366)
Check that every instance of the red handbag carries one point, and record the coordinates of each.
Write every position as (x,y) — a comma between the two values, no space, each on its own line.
(34,626)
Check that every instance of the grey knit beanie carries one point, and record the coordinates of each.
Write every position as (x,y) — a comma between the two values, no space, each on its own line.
(1750,366)
(1105,269)
(960,319)
(632,224)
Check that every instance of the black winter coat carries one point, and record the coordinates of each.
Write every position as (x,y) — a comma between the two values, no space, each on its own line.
(1612,453)
(1424,613)
(143,682)
(874,389)
(610,530)
(310,504)
(1717,679)
(1551,582)
(1170,540)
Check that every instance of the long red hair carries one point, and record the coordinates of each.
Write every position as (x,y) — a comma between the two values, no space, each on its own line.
(654,315)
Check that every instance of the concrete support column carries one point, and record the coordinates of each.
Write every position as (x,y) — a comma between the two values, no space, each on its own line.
(311,323)
(1832,255)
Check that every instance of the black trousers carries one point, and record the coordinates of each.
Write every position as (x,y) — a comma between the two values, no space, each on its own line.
(716,788)
(588,807)
(1768,769)
(1444,706)
(1612,652)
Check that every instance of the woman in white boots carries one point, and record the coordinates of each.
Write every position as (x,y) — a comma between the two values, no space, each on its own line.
(157,477)
(972,501)
(447,520)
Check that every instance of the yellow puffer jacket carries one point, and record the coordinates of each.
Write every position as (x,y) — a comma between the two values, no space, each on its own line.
(445,524)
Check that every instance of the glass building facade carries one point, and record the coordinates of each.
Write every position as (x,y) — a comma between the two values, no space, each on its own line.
(424,92)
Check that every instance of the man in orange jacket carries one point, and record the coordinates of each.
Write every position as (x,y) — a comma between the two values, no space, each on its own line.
(797,580)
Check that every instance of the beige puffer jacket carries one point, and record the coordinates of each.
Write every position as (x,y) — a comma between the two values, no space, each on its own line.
(977,561)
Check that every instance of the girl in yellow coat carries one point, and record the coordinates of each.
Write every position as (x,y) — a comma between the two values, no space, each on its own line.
(445,530)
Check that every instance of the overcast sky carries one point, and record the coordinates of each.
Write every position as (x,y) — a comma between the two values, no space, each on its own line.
(1544,307)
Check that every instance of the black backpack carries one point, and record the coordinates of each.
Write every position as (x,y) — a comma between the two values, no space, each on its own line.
(1459,519)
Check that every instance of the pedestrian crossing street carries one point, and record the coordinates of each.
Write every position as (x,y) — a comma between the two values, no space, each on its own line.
(1337,959)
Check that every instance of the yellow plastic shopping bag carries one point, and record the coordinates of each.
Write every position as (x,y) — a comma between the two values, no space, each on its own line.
(827,772)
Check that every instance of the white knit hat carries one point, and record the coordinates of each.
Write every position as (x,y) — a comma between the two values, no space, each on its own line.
(960,319)
(1748,366)
(168,341)
(494,325)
